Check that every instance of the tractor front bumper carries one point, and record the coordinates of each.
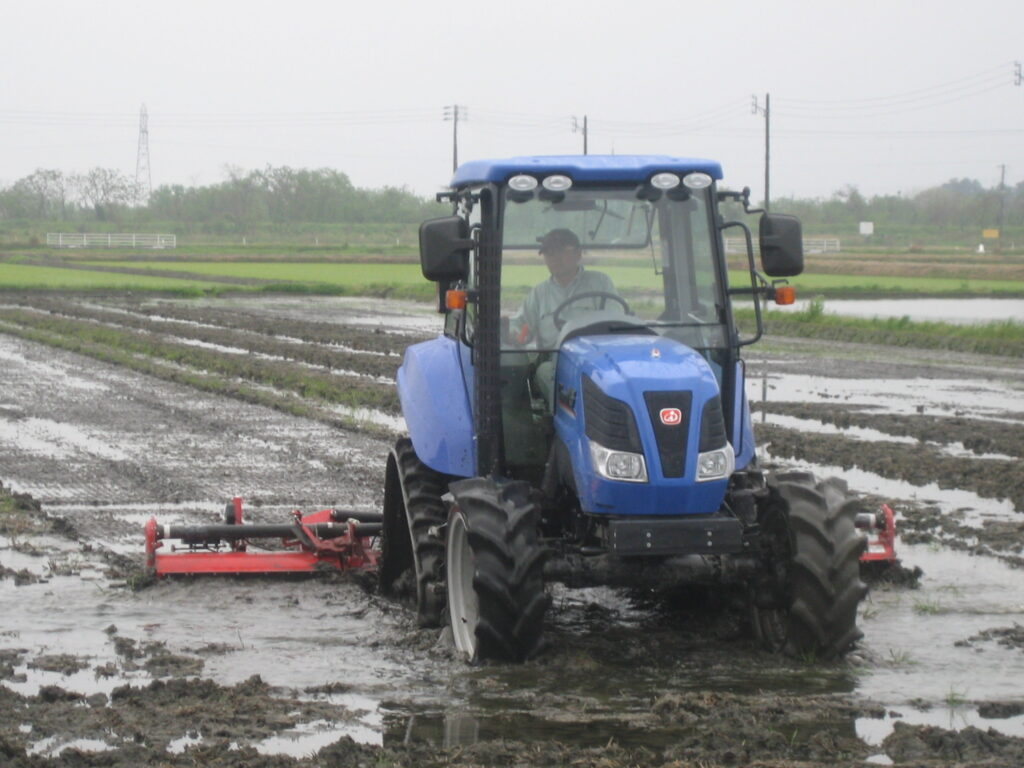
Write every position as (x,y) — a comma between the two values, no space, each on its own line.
(697,535)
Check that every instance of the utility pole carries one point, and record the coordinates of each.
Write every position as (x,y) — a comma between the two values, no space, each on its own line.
(576,128)
(453,113)
(767,112)
(143,178)
(1002,204)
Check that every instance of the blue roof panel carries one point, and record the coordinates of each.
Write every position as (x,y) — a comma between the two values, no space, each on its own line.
(582,168)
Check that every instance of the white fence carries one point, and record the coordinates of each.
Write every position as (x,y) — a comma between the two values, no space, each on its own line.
(811,245)
(74,240)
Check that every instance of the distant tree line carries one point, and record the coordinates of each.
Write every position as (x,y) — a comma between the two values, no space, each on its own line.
(283,198)
(956,211)
(273,196)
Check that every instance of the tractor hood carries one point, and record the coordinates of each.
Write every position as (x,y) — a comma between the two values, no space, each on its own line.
(641,394)
(626,366)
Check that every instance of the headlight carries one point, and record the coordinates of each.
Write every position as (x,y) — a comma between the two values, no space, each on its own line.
(618,465)
(714,465)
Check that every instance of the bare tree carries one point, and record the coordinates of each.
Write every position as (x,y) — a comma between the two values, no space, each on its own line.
(104,189)
(42,195)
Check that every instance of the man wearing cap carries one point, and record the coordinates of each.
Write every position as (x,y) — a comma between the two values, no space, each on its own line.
(533,322)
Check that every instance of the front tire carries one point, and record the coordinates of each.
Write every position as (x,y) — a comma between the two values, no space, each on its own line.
(495,583)
(805,603)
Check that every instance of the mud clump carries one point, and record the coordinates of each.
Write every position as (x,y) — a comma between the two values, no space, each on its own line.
(926,745)
(9,659)
(1010,637)
(64,663)
(882,574)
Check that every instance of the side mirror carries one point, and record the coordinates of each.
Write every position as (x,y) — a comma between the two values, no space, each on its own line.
(444,249)
(782,245)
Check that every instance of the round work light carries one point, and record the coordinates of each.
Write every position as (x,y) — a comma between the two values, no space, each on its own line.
(557,183)
(522,183)
(697,180)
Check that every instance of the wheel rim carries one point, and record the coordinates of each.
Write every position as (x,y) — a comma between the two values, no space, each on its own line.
(463,604)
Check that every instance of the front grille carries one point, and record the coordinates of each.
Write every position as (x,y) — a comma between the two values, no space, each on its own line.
(712,426)
(670,433)
(609,421)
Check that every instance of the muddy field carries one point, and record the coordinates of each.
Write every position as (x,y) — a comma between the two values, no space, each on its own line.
(133,408)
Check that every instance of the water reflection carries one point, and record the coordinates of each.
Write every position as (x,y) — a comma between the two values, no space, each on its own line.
(951,310)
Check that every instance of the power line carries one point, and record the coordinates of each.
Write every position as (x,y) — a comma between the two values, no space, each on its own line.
(967,81)
(853,112)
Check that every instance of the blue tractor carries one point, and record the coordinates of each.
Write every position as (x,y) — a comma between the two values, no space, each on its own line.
(582,418)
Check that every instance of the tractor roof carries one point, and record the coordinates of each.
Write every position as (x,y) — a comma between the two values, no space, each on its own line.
(582,168)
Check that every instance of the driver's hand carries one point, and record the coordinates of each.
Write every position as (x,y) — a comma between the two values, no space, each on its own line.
(523,336)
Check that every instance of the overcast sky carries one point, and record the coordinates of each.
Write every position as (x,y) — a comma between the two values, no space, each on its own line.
(887,96)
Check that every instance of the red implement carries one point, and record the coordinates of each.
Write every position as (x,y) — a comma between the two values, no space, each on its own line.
(333,538)
(881,548)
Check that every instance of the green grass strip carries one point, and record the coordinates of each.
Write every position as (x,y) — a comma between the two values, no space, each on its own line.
(374,278)
(20,277)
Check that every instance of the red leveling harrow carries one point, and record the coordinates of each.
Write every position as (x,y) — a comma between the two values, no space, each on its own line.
(329,538)
(344,540)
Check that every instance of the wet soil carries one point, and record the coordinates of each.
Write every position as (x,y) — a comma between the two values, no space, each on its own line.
(99,666)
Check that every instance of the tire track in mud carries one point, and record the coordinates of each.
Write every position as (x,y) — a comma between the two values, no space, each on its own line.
(173,447)
(126,346)
(371,364)
(316,332)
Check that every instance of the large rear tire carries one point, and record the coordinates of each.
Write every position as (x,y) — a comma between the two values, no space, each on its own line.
(412,547)
(496,597)
(806,602)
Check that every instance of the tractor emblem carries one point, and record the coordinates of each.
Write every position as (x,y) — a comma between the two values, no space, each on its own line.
(655,352)
(671,416)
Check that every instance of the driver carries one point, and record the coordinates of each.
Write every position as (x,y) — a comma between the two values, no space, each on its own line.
(533,322)
(562,254)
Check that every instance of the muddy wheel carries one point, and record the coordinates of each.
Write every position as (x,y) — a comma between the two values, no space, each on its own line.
(496,597)
(806,602)
(412,547)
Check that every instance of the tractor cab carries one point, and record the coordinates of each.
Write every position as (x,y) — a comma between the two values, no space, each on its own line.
(567,275)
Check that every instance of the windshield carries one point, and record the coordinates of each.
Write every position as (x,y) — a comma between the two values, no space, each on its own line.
(618,260)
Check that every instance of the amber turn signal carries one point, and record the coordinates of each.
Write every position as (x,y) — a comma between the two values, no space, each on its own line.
(784,294)
(455,299)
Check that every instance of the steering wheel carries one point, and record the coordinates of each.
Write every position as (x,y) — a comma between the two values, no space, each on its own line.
(603,295)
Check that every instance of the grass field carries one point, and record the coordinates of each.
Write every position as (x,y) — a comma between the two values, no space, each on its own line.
(349,275)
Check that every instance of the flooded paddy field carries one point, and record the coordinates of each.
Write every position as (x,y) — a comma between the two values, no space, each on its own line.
(110,422)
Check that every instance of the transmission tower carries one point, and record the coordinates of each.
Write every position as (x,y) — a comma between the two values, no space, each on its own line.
(143,179)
